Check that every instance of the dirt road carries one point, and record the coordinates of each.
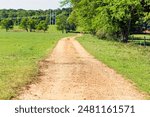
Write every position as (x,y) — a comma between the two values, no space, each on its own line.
(70,73)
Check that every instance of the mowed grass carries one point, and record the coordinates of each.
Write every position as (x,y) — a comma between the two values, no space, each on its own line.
(130,60)
(20,53)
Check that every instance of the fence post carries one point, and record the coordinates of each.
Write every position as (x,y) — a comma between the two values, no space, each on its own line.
(144,41)
(132,37)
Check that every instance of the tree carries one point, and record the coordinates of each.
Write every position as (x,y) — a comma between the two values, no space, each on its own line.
(24,24)
(4,14)
(61,21)
(31,24)
(20,16)
(72,20)
(64,24)
(7,24)
(111,17)
(146,6)
(43,25)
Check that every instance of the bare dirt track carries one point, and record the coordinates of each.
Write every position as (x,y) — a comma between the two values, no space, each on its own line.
(70,73)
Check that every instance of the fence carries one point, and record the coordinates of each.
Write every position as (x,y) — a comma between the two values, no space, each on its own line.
(143,40)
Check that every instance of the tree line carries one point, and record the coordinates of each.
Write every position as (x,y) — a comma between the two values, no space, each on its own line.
(111,18)
(29,20)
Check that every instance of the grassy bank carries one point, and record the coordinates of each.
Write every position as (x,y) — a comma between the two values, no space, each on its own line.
(19,56)
(130,60)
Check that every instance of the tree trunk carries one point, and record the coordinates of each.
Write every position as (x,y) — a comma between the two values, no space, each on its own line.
(27,30)
(125,38)
(125,35)
(126,29)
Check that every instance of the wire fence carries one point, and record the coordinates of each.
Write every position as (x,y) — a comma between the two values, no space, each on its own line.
(143,40)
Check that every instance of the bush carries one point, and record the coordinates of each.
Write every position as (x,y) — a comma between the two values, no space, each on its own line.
(101,34)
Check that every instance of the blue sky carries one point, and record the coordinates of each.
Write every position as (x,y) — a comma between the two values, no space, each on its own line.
(29,4)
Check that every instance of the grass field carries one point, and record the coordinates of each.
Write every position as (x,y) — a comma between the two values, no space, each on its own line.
(19,56)
(130,60)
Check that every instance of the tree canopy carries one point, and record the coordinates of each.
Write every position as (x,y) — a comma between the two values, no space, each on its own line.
(29,20)
(111,17)
(65,23)
(7,24)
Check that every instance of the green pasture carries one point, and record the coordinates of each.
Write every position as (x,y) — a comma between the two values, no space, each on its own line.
(20,53)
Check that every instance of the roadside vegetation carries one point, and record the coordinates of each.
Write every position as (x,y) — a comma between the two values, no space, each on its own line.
(111,19)
(20,53)
(130,60)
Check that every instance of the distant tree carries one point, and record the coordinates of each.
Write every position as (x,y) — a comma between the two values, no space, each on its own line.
(31,24)
(72,21)
(47,20)
(43,25)
(4,14)
(7,24)
(30,19)
(62,21)
(24,24)
(70,27)
(64,24)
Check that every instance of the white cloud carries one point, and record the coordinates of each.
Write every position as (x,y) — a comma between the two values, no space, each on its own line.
(29,4)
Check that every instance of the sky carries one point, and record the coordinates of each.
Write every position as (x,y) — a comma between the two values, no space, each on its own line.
(30,4)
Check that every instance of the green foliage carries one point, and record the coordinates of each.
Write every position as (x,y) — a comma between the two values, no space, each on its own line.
(65,2)
(24,24)
(42,26)
(7,24)
(31,24)
(61,21)
(64,24)
(111,17)
(32,20)
(72,19)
